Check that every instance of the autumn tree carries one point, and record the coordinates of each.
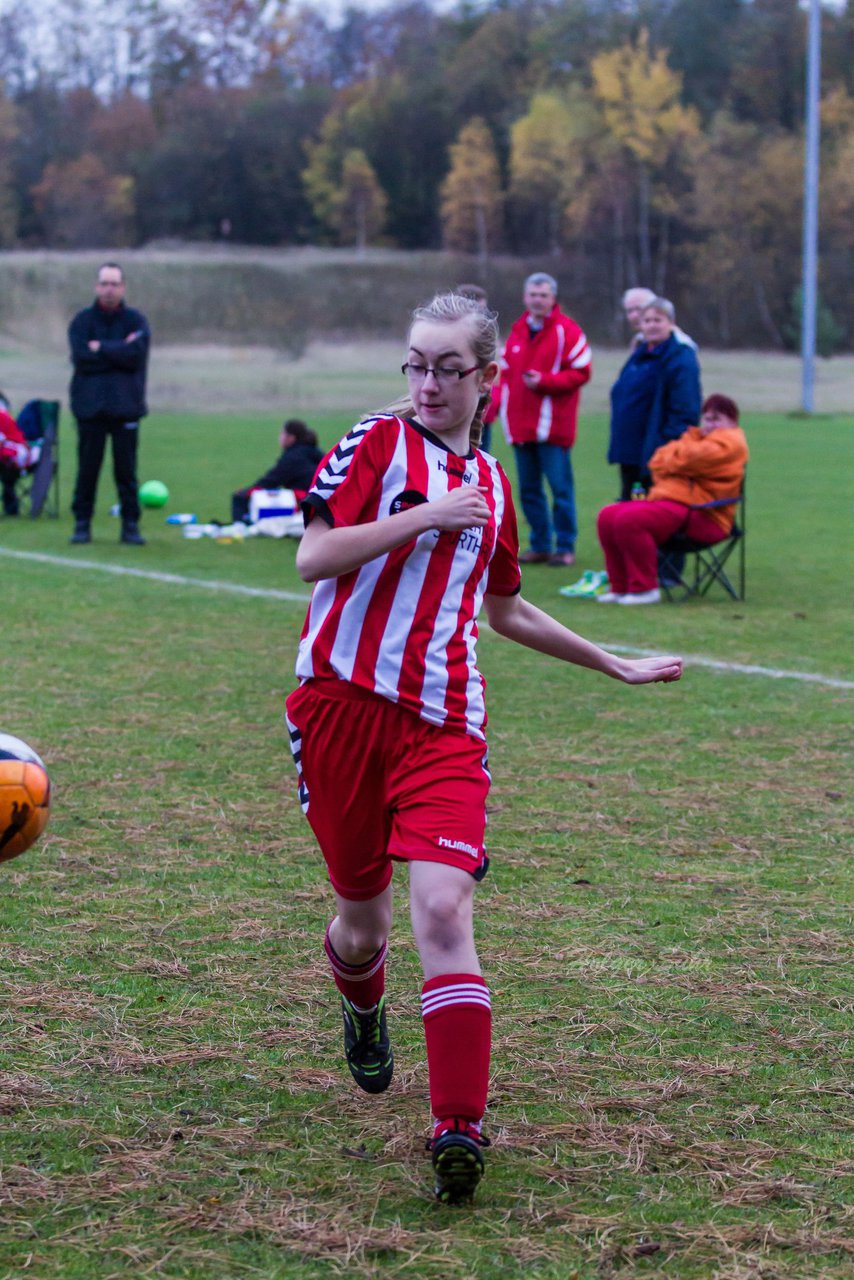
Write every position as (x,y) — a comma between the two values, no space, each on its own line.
(342,185)
(81,204)
(471,196)
(837,193)
(321,176)
(8,202)
(639,96)
(547,159)
(403,124)
(360,203)
(394,103)
(121,131)
(748,198)
(836,201)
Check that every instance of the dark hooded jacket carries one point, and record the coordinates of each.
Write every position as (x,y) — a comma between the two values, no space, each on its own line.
(294,470)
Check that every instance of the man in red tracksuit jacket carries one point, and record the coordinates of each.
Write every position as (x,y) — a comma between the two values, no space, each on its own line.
(546,363)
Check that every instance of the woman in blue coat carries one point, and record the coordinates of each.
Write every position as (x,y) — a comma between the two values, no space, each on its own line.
(656,397)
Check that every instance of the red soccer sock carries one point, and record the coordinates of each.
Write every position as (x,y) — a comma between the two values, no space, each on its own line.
(458,1030)
(362,984)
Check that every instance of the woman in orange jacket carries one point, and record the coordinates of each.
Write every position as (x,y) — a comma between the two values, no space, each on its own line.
(705,464)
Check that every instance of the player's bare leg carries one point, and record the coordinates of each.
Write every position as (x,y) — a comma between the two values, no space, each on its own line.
(361,929)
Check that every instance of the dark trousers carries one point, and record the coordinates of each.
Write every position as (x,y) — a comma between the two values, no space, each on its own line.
(630,475)
(92,436)
(9,479)
(240,505)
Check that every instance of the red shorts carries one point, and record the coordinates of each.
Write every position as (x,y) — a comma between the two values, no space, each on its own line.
(376,782)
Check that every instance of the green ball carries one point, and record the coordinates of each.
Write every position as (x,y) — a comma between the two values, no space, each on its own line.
(153,493)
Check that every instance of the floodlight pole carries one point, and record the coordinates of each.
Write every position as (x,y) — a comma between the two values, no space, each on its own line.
(809,282)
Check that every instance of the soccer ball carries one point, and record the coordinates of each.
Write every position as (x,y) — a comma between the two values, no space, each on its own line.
(153,493)
(24,797)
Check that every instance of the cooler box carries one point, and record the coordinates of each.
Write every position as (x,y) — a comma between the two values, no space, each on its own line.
(264,504)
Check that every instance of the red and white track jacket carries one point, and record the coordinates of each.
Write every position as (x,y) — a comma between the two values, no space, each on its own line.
(561,354)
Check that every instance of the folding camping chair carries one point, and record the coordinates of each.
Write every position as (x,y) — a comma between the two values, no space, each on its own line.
(702,564)
(39,486)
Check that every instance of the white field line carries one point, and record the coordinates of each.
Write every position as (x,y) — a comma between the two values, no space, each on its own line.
(294,597)
(740,668)
(172,579)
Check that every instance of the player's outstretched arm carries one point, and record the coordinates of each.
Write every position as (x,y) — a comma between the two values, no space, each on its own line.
(325,552)
(519,620)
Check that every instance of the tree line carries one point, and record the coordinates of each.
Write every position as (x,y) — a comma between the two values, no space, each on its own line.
(629,141)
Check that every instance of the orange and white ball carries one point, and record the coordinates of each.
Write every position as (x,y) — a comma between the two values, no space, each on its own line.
(24,797)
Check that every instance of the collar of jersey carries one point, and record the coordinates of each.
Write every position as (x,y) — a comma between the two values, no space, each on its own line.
(440,444)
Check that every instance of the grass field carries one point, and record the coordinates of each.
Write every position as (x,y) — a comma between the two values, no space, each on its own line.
(666,926)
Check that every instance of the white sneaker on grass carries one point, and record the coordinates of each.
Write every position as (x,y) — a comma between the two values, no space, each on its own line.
(608,597)
(641,597)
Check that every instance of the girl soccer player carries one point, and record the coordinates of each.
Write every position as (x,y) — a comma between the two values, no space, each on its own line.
(410,530)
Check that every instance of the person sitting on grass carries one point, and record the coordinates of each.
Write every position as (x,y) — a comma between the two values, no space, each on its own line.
(410,530)
(704,465)
(294,469)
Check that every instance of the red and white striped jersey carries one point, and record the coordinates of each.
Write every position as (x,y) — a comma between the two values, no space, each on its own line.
(404,625)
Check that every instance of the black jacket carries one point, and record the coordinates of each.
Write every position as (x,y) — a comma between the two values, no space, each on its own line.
(110,382)
(294,470)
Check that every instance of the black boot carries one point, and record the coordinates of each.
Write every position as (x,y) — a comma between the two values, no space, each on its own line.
(11,506)
(131,534)
(82,532)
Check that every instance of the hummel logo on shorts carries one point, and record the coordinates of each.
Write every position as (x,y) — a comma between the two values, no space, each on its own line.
(459,846)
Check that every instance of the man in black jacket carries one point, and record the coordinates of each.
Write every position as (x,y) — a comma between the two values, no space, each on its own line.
(109,352)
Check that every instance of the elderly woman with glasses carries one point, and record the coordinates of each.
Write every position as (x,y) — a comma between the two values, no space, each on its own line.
(410,530)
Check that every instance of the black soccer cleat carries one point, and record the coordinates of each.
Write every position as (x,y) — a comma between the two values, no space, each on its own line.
(457,1162)
(367,1047)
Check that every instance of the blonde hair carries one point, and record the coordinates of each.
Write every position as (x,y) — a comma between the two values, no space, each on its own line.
(448,308)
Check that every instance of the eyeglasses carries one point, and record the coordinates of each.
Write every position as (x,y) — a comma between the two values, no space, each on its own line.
(443,375)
